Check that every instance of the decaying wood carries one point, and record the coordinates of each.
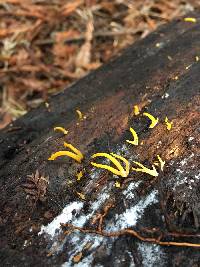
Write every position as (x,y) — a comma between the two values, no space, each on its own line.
(105,225)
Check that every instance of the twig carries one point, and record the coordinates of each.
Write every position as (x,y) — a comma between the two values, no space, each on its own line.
(135,234)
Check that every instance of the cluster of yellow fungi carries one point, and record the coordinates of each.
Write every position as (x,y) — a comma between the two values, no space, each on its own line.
(121,165)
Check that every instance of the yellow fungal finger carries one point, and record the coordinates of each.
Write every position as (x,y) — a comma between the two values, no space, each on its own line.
(65,153)
(162,163)
(119,170)
(77,155)
(190,20)
(154,120)
(152,172)
(75,150)
(127,164)
(117,184)
(103,166)
(80,115)
(81,195)
(79,175)
(135,136)
(168,124)
(136,110)
(61,129)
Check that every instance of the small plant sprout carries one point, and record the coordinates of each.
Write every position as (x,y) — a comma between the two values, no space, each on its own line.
(79,175)
(135,136)
(154,120)
(162,163)
(152,172)
(76,154)
(61,129)
(136,110)
(194,20)
(168,124)
(120,171)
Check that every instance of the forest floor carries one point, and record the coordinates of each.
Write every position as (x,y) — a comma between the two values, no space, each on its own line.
(47,45)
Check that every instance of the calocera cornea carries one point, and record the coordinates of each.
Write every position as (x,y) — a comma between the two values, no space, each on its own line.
(193,20)
(117,184)
(136,110)
(168,124)
(80,115)
(81,195)
(162,162)
(154,121)
(119,170)
(135,136)
(76,154)
(152,172)
(61,129)
(79,175)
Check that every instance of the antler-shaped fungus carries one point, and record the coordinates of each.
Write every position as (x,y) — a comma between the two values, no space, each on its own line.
(119,170)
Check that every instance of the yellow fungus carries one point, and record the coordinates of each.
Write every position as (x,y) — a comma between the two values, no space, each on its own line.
(176,78)
(154,120)
(136,110)
(61,129)
(120,171)
(162,163)
(156,163)
(80,115)
(190,20)
(168,124)
(152,172)
(79,175)
(135,141)
(127,164)
(76,154)
(117,184)
(197,58)
(81,195)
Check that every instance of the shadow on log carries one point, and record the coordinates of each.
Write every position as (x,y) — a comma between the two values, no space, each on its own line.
(49,217)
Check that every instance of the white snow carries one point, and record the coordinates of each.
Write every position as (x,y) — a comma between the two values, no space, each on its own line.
(64,217)
(152,255)
(132,215)
(129,192)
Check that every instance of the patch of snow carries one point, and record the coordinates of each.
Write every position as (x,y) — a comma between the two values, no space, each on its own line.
(129,192)
(185,161)
(183,173)
(64,217)
(94,207)
(79,242)
(133,214)
(152,255)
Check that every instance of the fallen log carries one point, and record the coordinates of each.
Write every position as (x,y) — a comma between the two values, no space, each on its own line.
(61,211)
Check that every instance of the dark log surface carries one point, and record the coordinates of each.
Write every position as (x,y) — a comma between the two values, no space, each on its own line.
(166,206)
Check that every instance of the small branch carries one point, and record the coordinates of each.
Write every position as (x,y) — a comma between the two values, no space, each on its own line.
(135,234)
